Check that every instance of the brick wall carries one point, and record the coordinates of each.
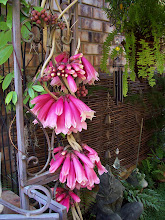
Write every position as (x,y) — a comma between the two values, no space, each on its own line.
(93,29)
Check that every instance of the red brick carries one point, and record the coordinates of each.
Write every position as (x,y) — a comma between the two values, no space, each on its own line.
(98,37)
(84,36)
(91,48)
(108,28)
(85,10)
(99,14)
(97,3)
(97,60)
(105,36)
(89,24)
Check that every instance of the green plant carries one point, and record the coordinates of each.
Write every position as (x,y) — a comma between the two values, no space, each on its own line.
(154,166)
(150,214)
(6,49)
(142,24)
(150,198)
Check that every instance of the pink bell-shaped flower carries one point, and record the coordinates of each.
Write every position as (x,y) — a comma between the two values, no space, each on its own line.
(66,197)
(67,114)
(77,170)
(90,72)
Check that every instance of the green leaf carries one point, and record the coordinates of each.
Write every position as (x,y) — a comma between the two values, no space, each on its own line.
(38,88)
(3,1)
(26,99)
(31,92)
(30,105)
(63,135)
(1,18)
(7,81)
(9,16)
(38,8)
(8,97)
(25,3)
(3,26)
(5,53)
(30,84)
(14,98)
(25,30)
(5,37)
(1,78)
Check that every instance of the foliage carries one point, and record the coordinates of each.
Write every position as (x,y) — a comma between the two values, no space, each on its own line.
(150,198)
(154,166)
(150,214)
(106,47)
(142,24)
(6,49)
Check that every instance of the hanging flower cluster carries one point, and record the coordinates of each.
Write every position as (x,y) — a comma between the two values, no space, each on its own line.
(76,67)
(66,114)
(77,167)
(66,197)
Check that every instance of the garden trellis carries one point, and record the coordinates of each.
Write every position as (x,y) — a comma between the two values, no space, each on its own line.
(22,167)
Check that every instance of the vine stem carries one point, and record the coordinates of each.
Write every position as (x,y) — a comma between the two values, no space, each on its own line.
(67,24)
(50,55)
(79,211)
(73,213)
(43,3)
(66,9)
(78,46)
(73,143)
(140,137)
(50,93)
(10,135)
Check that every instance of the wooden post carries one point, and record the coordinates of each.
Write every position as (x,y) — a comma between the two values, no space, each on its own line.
(19,106)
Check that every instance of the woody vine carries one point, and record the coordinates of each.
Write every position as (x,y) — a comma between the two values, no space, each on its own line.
(60,109)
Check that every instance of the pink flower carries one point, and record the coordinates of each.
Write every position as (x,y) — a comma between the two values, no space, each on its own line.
(65,169)
(56,164)
(101,168)
(71,67)
(74,196)
(56,81)
(61,57)
(80,174)
(76,167)
(91,74)
(93,156)
(66,197)
(91,175)
(84,159)
(60,197)
(85,111)
(72,83)
(66,202)
(65,115)
(71,178)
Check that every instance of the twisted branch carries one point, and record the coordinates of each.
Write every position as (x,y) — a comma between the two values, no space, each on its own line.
(50,55)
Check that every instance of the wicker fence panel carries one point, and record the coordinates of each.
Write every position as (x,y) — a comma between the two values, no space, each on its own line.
(123,130)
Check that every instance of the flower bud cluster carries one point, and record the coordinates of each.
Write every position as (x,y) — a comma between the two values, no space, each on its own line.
(82,91)
(40,17)
(65,67)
